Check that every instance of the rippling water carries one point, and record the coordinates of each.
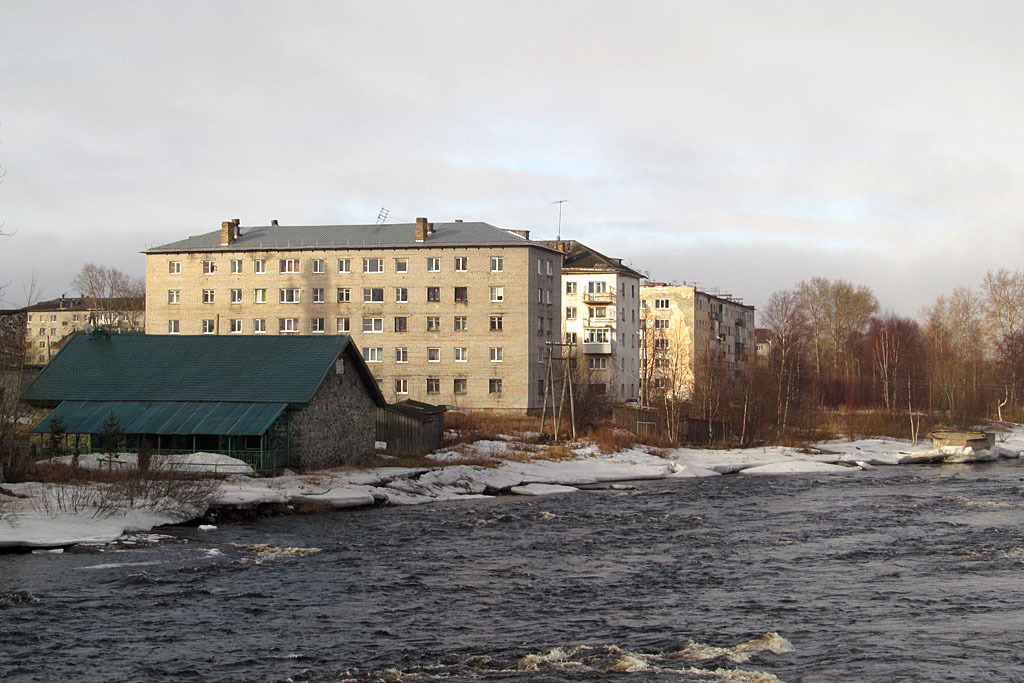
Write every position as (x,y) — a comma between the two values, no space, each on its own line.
(910,573)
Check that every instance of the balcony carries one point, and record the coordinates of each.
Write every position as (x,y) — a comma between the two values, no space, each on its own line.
(599,322)
(599,297)
(597,348)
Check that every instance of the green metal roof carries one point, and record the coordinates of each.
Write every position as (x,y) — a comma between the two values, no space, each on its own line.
(185,417)
(135,367)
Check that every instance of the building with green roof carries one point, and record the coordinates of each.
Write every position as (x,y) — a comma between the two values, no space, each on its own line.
(302,401)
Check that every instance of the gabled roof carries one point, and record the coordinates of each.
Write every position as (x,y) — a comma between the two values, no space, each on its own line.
(65,303)
(579,256)
(350,237)
(249,369)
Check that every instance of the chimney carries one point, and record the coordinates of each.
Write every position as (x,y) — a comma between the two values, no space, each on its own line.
(422,229)
(273,223)
(227,233)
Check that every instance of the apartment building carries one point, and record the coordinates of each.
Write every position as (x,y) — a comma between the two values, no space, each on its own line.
(48,323)
(684,328)
(601,317)
(449,313)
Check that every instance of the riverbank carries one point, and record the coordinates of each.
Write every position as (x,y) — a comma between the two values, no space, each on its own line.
(34,515)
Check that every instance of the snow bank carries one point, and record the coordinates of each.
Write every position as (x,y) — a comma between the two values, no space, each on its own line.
(542,489)
(215,463)
(798,466)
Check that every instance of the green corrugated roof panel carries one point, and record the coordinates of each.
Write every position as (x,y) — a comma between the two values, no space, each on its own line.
(185,417)
(121,367)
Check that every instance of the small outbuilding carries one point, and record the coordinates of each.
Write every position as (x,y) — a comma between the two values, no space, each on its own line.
(411,427)
(300,401)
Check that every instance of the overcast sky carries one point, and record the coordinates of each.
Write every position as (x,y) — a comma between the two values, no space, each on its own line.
(744,146)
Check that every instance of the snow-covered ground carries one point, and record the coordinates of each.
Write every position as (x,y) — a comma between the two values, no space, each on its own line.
(42,520)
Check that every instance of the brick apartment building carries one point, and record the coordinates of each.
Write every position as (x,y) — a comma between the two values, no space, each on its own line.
(684,327)
(49,323)
(451,313)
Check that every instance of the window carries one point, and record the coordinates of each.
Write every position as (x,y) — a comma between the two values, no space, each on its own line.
(53,318)
(401,295)
(286,325)
(496,354)
(461,354)
(173,297)
(461,323)
(661,324)
(318,295)
(259,266)
(494,386)
(433,385)
(373,324)
(597,363)
(540,387)
(496,323)
(401,324)
(373,265)
(207,296)
(208,327)
(401,386)
(42,345)
(433,355)
(289,265)
(598,311)
(373,295)
(540,266)
(433,293)
(344,294)
(259,326)
(401,265)
(28,318)
(373,354)
(549,267)
(497,264)
(461,295)
(547,297)
(344,265)
(173,267)
(570,287)
(172,327)
(540,295)
(289,296)
(570,312)
(318,266)
(343,326)
(316,325)
(433,264)
(236,266)
(401,354)
(497,294)
(460,264)
(433,323)
(236,296)
(209,267)
(459,387)
(236,326)
(661,303)
(596,336)
(661,344)
(259,296)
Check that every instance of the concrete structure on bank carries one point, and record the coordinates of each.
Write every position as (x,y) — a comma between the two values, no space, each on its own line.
(307,402)
(49,323)
(601,317)
(449,313)
(684,329)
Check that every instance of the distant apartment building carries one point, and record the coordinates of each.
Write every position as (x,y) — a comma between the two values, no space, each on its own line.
(448,313)
(601,317)
(48,323)
(684,328)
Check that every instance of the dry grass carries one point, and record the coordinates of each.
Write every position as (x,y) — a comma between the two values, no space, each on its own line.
(476,426)
(612,439)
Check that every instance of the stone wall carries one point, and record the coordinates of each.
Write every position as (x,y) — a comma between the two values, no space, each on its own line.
(338,426)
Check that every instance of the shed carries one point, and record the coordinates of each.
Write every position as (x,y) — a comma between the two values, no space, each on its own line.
(411,427)
(300,401)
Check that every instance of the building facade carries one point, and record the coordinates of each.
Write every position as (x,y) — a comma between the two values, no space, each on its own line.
(684,329)
(453,313)
(49,323)
(601,318)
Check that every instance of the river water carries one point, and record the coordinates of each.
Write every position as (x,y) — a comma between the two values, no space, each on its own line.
(902,573)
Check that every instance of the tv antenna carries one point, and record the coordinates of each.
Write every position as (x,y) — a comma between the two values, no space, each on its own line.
(382,215)
(560,202)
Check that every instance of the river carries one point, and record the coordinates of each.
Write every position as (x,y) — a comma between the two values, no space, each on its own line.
(897,574)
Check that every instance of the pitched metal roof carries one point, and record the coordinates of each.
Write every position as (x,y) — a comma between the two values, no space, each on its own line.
(259,238)
(175,417)
(578,256)
(136,367)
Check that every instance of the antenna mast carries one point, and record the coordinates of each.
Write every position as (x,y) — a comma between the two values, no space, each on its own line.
(560,202)
(382,215)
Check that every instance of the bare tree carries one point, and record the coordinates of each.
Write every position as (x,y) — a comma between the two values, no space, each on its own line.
(785,320)
(115,298)
(667,372)
(1003,293)
(954,332)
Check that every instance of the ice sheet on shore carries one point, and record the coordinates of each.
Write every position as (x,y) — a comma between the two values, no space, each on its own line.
(798,467)
(542,489)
